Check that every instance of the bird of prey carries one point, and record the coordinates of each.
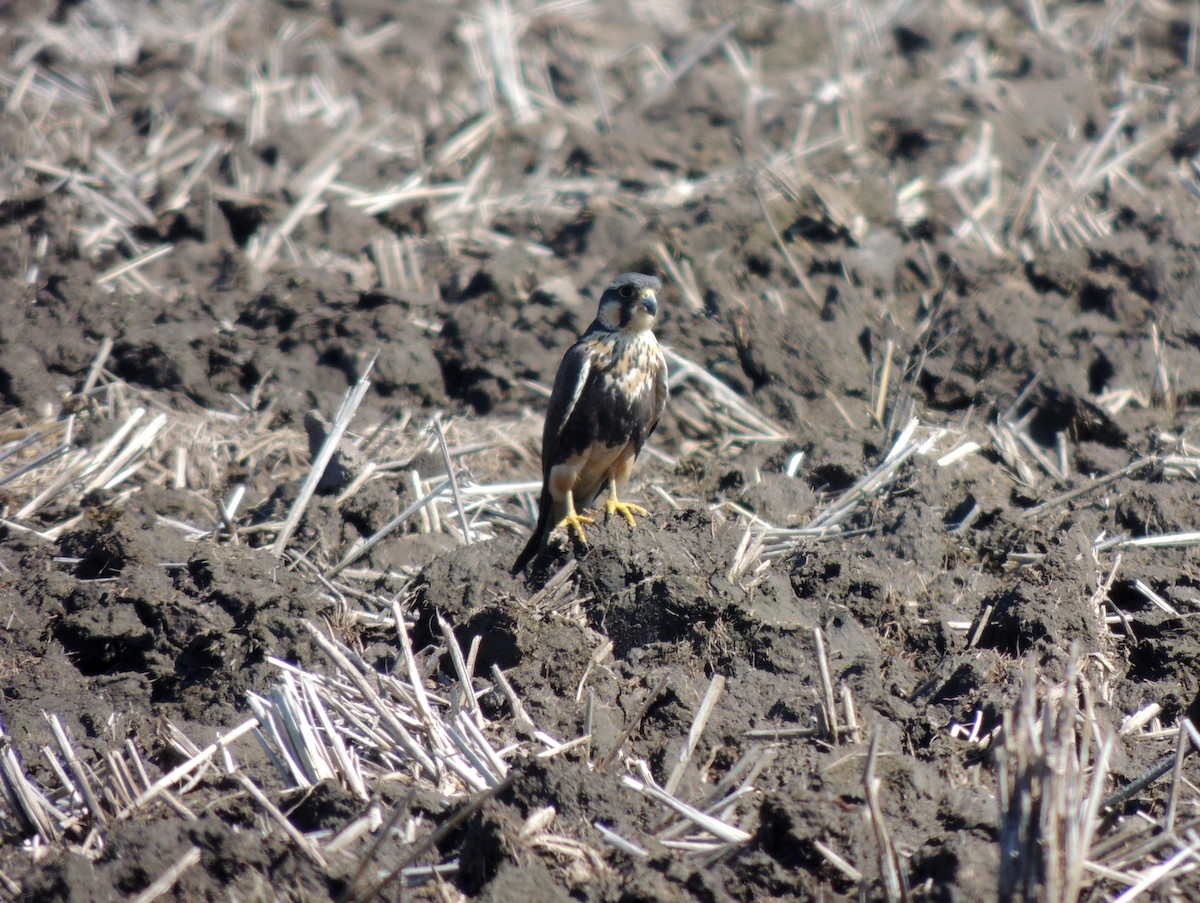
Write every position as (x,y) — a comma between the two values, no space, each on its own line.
(608,396)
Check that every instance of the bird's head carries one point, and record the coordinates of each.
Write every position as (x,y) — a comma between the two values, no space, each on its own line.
(630,303)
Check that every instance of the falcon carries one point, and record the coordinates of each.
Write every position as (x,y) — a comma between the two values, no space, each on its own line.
(608,396)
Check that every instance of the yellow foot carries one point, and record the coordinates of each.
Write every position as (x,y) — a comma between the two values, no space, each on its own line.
(625,509)
(574,522)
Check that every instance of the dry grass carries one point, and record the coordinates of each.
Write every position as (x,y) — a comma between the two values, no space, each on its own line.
(1052,771)
(354,726)
(348,723)
(296,78)
(360,727)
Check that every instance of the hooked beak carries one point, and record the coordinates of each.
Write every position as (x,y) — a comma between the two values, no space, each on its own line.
(649,302)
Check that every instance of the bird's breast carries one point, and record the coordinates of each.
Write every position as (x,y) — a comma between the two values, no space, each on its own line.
(627,364)
(616,400)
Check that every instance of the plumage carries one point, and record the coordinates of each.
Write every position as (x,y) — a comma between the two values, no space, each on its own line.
(608,397)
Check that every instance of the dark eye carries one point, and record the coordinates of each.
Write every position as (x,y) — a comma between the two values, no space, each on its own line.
(626,291)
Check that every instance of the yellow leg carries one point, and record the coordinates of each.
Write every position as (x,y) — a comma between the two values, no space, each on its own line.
(574,522)
(613,505)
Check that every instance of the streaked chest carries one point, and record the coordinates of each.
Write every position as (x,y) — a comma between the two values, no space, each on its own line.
(626,365)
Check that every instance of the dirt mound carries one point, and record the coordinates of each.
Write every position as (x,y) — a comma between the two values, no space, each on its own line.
(128,608)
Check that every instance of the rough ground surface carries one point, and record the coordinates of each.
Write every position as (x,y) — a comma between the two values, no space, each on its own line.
(999,213)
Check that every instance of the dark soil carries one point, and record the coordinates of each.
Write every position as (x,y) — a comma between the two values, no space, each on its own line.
(120,623)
